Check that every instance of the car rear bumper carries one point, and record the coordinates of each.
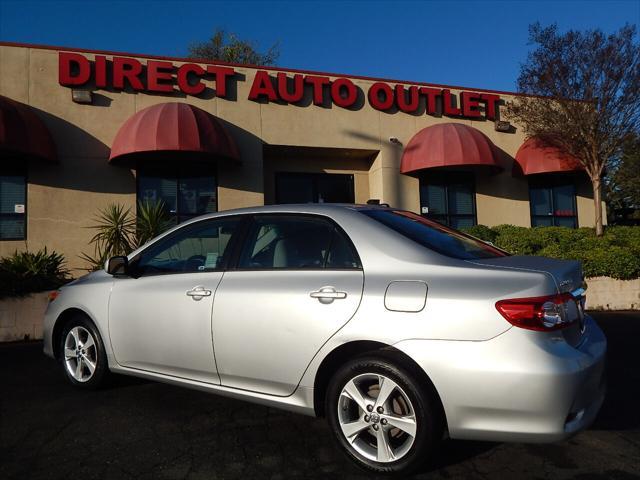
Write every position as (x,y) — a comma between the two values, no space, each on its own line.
(520,386)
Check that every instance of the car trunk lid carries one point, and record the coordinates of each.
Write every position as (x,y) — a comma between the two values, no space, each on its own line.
(566,273)
(568,278)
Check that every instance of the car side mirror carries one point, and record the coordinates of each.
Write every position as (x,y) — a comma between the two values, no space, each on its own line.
(118,265)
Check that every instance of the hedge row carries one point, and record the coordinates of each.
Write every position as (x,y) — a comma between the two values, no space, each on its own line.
(616,254)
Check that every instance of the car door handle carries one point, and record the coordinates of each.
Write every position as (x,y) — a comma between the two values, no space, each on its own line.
(328,295)
(198,292)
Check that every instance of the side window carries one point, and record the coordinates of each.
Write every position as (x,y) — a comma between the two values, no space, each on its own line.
(295,242)
(200,247)
(341,254)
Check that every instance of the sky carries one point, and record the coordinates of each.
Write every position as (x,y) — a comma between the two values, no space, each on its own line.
(468,43)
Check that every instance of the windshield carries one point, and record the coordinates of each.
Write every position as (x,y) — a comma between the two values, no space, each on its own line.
(435,236)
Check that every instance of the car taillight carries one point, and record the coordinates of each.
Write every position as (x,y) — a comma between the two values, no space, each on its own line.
(538,313)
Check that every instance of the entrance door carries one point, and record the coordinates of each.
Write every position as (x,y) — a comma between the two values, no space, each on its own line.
(297,282)
(314,188)
(161,320)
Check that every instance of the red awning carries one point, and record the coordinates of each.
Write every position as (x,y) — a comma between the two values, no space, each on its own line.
(23,133)
(448,145)
(172,127)
(534,156)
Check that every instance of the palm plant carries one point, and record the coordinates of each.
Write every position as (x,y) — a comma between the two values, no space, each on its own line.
(152,221)
(119,233)
(115,235)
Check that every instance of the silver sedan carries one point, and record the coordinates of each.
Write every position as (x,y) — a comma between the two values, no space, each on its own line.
(396,329)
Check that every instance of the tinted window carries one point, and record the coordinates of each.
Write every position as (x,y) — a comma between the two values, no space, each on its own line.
(12,207)
(185,192)
(314,188)
(196,248)
(448,198)
(434,236)
(553,202)
(342,254)
(296,242)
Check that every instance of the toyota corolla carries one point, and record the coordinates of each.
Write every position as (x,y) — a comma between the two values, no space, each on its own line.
(398,330)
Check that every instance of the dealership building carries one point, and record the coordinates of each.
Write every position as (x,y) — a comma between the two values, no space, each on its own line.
(81,129)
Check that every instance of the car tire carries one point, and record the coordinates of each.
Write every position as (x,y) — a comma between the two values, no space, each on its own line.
(394,435)
(82,354)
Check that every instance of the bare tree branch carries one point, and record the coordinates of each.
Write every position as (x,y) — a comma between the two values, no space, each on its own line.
(592,83)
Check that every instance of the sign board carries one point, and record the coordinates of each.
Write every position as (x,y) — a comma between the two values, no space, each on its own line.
(161,76)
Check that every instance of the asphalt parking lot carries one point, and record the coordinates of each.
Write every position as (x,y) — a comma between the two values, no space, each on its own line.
(138,429)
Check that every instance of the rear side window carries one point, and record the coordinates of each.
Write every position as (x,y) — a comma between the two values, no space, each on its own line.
(296,242)
(434,236)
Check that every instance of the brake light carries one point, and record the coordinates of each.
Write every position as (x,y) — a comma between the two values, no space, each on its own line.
(538,313)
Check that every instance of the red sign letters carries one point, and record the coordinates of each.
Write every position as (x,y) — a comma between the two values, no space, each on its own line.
(159,76)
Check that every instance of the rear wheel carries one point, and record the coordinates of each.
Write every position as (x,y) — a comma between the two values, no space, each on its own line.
(82,353)
(381,416)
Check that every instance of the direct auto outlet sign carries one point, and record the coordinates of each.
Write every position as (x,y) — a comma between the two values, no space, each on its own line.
(161,76)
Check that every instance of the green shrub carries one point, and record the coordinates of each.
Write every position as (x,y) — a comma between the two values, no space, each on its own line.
(482,232)
(616,254)
(517,240)
(610,261)
(28,272)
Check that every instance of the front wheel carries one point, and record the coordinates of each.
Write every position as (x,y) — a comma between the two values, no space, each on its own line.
(382,417)
(82,353)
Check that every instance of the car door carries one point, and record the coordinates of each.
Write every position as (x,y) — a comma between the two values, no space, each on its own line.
(160,317)
(297,281)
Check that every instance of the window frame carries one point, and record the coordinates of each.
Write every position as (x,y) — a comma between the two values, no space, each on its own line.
(314,176)
(549,182)
(177,172)
(234,264)
(17,171)
(235,238)
(446,179)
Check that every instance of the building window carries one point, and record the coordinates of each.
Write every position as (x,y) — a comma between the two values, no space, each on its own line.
(314,188)
(186,192)
(553,202)
(13,195)
(449,198)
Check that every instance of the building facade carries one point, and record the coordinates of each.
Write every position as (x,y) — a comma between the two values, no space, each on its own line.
(80,130)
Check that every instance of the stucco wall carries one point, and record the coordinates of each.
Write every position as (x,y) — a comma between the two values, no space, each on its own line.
(21,318)
(604,293)
(63,199)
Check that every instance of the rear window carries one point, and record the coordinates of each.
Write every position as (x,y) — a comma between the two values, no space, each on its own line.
(435,236)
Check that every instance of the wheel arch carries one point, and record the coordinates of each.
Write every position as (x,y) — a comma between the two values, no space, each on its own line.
(347,351)
(62,320)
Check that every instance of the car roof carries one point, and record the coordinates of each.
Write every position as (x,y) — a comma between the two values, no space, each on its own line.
(321,208)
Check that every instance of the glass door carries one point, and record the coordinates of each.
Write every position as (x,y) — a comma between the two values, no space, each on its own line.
(314,188)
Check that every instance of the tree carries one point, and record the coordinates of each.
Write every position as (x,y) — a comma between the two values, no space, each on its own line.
(623,183)
(592,82)
(227,47)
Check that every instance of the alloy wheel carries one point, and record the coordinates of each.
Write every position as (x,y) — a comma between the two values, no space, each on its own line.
(80,354)
(377,417)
